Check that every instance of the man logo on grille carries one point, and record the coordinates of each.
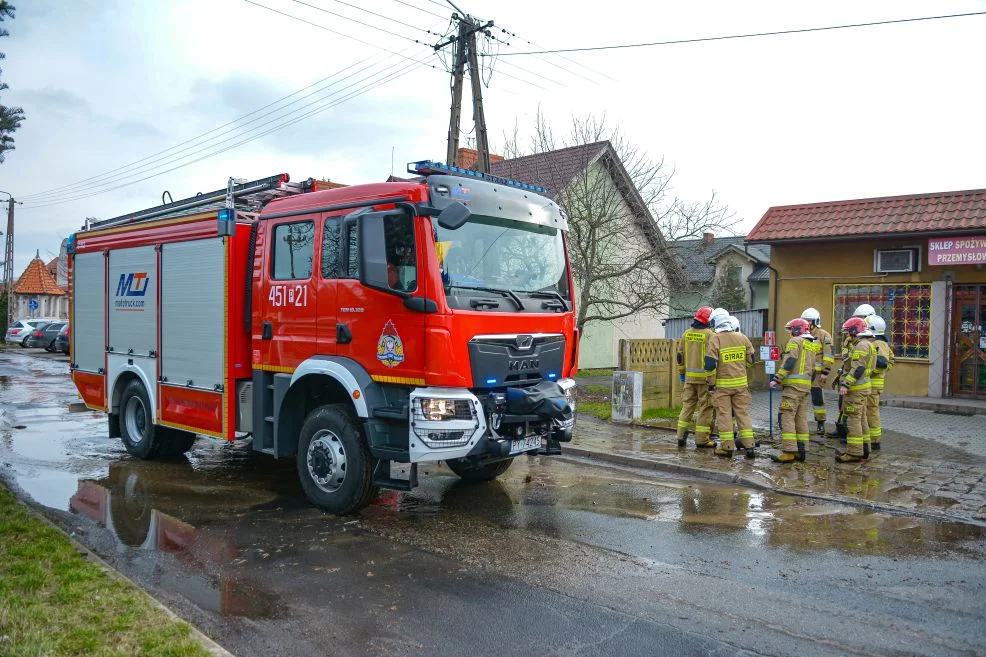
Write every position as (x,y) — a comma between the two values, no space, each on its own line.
(524,342)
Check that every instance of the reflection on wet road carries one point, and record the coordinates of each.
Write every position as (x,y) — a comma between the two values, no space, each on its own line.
(569,557)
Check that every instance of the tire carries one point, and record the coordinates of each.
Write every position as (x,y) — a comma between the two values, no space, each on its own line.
(334,462)
(141,437)
(470,472)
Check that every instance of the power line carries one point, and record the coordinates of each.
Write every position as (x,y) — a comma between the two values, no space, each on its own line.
(408,4)
(352,95)
(347,18)
(204,145)
(373,13)
(743,36)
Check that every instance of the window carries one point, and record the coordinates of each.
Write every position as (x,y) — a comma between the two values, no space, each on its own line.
(735,272)
(890,261)
(905,308)
(402,269)
(293,251)
(331,238)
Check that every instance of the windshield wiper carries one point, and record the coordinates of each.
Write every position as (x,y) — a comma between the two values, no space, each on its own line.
(548,294)
(509,294)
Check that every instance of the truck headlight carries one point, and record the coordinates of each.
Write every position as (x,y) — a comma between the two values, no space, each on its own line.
(437,409)
(568,387)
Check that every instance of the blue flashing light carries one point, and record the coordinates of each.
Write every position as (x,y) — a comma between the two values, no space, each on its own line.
(428,167)
(490,382)
(226,214)
(552,375)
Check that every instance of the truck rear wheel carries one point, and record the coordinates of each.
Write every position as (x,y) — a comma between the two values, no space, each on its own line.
(141,437)
(471,472)
(334,462)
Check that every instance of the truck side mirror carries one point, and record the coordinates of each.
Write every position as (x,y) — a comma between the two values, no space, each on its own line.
(373,251)
(454,216)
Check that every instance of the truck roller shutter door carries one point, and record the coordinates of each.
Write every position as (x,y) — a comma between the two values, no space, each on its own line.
(89,312)
(132,290)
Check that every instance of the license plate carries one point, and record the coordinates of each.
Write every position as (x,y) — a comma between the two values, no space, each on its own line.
(525,444)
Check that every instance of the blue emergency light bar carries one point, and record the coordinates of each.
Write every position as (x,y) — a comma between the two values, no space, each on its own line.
(427,168)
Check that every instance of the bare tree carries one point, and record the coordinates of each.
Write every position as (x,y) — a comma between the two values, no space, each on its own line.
(623,219)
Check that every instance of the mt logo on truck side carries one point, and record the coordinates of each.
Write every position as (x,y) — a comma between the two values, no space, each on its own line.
(133,284)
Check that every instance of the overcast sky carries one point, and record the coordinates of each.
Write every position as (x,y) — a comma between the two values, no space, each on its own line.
(776,120)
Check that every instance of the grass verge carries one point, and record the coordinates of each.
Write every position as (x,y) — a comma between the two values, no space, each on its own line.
(602,410)
(54,603)
(594,372)
(665,413)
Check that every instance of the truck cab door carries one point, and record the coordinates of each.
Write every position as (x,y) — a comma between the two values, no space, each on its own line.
(387,338)
(288,330)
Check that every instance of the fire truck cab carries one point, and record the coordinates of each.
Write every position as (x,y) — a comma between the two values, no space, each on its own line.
(348,328)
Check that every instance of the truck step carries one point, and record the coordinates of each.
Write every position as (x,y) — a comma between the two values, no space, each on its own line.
(266,450)
(382,478)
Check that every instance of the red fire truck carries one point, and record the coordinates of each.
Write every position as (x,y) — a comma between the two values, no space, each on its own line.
(350,328)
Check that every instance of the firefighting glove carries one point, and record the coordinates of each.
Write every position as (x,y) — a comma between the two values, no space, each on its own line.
(681,377)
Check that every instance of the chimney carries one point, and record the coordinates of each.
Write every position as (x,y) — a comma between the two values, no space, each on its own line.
(707,238)
(468,158)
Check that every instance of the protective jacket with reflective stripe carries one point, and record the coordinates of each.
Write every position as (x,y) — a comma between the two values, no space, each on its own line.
(728,355)
(885,357)
(691,354)
(826,358)
(797,363)
(860,365)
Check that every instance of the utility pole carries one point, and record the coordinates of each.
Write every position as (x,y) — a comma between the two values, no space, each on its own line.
(8,260)
(466,52)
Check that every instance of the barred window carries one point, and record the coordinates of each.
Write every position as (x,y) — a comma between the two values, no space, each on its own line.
(905,308)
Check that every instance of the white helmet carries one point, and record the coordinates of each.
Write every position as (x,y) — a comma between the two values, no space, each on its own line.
(734,324)
(867,333)
(717,314)
(864,310)
(813,316)
(876,324)
(723,324)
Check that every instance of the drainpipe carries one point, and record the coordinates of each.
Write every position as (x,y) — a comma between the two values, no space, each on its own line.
(749,283)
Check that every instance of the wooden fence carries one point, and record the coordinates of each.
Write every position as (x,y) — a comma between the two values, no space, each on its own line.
(656,359)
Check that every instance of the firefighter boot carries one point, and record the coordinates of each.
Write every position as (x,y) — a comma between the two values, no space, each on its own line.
(866,450)
(785,457)
(683,440)
(728,453)
(707,445)
(802,452)
(875,447)
(751,453)
(846,457)
(820,430)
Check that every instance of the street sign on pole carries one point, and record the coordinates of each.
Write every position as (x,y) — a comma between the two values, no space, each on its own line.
(33,304)
(770,367)
(775,353)
(770,338)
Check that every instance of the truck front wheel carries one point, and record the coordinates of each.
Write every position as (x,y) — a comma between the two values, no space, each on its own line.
(471,472)
(334,461)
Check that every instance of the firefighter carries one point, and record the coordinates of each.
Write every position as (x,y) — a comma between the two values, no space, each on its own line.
(727,358)
(694,390)
(884,363)
(824,361)
(855,389)
(795,375)
(863,311)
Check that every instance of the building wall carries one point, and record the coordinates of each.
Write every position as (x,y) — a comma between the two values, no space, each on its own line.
(809,272)
(48,306)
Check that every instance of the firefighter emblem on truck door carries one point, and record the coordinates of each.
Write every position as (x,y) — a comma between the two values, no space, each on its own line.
(390,349)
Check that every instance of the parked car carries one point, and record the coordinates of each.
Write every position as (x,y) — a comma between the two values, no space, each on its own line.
(35,337)
(19,330)
(50,334)
(61,342)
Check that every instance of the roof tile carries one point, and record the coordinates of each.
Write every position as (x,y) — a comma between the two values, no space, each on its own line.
(36,279)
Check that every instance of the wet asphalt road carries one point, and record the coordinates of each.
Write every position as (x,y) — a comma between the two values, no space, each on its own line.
(559,558)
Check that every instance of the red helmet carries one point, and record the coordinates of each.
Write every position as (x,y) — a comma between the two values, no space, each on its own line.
(703,314)
(798,326)
(855,325)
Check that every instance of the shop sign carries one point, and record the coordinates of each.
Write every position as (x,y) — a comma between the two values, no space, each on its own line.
(957,250)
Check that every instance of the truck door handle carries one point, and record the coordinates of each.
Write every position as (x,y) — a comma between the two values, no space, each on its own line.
(267,332)
(343,334)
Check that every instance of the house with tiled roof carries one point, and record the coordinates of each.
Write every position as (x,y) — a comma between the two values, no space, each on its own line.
(37,285)
(918,259)
(559,171)
(706,259)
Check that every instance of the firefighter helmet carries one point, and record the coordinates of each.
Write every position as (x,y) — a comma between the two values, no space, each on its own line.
(864,310)
(876,324)
(723,324)
(813,316)
(798,326)
(855,326)
(702,314)
(734,324)
(716,315)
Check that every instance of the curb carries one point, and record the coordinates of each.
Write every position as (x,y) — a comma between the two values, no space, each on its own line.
(749,482)
(936,407)
(86,553)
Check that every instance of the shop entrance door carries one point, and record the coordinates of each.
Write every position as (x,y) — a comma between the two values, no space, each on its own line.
(969,341)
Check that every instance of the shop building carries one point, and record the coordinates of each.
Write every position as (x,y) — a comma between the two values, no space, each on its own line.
(919,260)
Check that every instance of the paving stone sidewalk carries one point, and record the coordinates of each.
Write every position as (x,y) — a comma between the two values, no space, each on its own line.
(912,474)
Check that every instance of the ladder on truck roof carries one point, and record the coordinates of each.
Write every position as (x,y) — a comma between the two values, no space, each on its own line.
(247,197)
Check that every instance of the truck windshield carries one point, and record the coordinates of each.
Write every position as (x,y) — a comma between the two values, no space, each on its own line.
(499,253)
